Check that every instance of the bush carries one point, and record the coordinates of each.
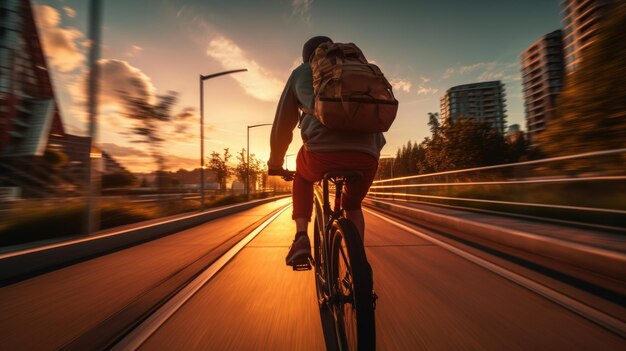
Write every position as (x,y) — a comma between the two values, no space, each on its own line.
(30,222)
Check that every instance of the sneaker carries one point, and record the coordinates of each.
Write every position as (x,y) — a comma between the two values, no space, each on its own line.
(300,250)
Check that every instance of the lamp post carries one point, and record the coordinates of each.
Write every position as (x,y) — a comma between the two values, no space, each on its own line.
(202,79)
(91,176)
(247,185)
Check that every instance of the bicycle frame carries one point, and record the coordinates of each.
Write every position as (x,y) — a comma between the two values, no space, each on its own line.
(328,214)
(332,247)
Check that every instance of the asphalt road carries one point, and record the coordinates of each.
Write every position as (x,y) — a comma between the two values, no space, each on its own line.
(429,298)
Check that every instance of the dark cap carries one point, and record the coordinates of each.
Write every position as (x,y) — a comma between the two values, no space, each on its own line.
(311,45)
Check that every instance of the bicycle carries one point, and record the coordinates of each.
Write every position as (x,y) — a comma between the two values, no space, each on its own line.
(343,277)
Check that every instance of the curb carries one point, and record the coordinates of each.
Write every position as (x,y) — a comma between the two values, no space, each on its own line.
(608,263)
(15,265)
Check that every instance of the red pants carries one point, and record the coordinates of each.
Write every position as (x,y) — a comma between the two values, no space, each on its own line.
(311,167)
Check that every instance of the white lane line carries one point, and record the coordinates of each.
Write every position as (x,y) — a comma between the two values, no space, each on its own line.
(607,321)
(139,335)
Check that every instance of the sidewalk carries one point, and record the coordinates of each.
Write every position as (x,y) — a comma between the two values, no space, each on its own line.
(599,251)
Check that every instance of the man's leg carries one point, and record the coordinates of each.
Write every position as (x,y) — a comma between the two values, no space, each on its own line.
(302,195)
(356,217)
(355,192)
(302,224)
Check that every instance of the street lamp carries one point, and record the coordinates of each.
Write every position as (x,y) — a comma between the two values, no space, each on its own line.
(92,177)
(247,185)
(202,79)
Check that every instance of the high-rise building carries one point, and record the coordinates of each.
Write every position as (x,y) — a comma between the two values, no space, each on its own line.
(28,110)
(30,122)
(580,23)
(481,101)
(542,78)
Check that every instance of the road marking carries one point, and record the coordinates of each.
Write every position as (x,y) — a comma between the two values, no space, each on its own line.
(139,335)
(607,321)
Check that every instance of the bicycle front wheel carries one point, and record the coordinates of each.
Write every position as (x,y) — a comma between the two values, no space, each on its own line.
(352,287)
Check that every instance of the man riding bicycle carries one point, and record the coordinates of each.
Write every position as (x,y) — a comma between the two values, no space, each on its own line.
(324,150)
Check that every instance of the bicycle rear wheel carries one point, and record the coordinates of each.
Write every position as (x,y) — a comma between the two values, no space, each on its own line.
(352,287)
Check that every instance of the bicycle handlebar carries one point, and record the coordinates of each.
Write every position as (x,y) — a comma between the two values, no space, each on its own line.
(283,173)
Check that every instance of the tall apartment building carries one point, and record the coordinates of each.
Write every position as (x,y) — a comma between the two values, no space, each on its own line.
(28,110)
(30,122)
(542,78)
(481,101)
(580,23)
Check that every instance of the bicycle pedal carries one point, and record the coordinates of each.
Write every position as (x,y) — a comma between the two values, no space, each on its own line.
(302,266)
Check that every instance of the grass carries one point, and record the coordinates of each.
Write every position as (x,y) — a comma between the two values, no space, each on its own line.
(31,221)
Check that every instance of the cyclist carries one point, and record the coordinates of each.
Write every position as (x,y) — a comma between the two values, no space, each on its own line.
(323,151)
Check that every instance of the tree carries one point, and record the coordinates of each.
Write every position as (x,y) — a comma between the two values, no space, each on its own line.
(466,143)
(241,170)
(119,180)
(433,123)
(591,112)
(150,115)
(165,179)
(144,183)
(219,164)
(408,159)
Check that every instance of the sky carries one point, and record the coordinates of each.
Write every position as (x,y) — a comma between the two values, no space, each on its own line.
(424,47)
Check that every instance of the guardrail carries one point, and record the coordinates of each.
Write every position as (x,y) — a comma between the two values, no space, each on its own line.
(587,188)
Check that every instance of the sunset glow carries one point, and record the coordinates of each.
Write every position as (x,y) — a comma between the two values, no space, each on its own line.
(423,48)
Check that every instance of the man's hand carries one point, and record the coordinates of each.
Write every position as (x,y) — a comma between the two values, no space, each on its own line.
(275,171)
(285,174)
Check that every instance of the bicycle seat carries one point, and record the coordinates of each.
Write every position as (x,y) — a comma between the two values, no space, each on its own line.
(343,174)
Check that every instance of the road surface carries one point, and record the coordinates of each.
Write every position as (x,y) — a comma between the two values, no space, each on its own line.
(429,297)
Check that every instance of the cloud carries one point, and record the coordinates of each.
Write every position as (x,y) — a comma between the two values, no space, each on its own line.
(116,76)
(301,9)
(180,11)
(406,86)
(69,12)
(400,84)
(134,51)
(174,162)
(60,44)
(486,71)
(467,69)
(137,160)
(422,90)
(490,75)
(122,151)
(258,82)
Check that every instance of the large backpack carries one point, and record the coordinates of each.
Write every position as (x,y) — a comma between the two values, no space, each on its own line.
(350,93)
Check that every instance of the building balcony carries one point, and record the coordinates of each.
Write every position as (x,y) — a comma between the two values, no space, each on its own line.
(531,60)
(21,122)
(24,109)
(537,122)
(538,82)
(16,134)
